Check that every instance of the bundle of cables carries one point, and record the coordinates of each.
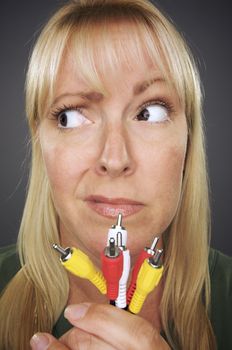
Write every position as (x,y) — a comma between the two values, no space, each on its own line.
(113,278)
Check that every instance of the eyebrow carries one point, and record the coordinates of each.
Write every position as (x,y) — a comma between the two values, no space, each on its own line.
(141,87)
(94,96)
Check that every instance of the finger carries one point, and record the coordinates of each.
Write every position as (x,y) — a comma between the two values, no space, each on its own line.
(77,339)
(45,341)
(115,326)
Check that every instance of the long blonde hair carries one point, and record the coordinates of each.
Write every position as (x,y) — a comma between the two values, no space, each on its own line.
(42,282)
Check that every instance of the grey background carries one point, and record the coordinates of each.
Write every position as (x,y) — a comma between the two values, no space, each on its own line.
(207,26)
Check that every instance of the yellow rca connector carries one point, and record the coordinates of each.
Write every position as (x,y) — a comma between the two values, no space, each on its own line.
(149,276)
(79,264)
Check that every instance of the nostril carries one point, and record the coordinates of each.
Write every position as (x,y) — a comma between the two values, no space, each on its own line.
(103,169)
(112,170)
(126,169)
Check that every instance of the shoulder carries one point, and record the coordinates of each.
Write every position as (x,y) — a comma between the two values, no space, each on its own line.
(9,264)
(220,266)
(221,297)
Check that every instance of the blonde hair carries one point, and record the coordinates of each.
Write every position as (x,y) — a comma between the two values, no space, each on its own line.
(42,281)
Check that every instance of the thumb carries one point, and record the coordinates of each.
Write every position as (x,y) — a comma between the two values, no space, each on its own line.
(45,341)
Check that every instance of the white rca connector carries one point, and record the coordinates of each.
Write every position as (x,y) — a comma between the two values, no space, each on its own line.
(121,300)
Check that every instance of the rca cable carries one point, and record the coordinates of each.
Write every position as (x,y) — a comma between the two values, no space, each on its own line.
(115,264)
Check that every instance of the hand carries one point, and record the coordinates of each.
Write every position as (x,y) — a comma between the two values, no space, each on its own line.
(102,327)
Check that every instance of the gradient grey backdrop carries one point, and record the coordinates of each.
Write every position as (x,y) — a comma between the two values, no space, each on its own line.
(207,26)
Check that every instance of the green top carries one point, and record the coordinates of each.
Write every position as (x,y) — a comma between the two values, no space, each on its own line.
(221,293)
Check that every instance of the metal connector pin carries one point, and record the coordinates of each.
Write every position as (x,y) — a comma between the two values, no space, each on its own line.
(59,249)
(151,250)
(112,250)
(154,243)
(155,259)
(65,253)
(119,220)
(112,247)
(119,240)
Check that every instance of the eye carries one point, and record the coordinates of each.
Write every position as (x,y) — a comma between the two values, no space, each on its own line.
(154,113)
(70,117)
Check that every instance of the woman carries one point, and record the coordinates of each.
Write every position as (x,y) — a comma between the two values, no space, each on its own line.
(114,108)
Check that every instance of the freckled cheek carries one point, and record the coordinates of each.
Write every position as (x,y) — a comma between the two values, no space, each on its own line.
(163,185)
(172,176)
(167,172)
(175,169)
(64,166)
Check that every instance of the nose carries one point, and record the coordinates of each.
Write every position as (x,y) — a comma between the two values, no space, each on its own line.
(115,158)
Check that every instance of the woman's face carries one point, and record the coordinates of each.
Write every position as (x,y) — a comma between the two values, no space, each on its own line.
(124,153)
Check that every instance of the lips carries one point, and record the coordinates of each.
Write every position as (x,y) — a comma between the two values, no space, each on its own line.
(111,207)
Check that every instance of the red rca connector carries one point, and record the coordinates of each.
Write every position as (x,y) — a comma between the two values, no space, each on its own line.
(112,267)
(145,253)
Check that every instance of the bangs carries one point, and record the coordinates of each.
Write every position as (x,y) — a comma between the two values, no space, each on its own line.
(96,54)
(89,36)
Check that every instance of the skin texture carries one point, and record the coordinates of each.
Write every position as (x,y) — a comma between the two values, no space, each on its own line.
(112,153)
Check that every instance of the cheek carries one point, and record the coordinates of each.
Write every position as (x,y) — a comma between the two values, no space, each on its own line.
(57,161)
(64,166)
(67,154)
(172,172)
(163,161)
(173,164)
(163,184)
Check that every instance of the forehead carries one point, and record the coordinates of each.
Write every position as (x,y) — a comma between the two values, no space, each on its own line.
(124,76)
(120,57)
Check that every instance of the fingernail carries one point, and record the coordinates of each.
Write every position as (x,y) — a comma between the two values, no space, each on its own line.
(76,312)
(39,341)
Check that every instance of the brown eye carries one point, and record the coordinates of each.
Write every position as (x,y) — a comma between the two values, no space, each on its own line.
(155,113)
(143,115)
(70,119)
(63,120)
